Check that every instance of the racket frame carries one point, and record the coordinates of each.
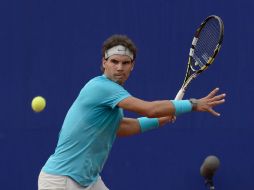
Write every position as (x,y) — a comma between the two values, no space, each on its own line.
(191,73)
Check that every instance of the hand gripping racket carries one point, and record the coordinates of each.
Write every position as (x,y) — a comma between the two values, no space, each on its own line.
(205,46)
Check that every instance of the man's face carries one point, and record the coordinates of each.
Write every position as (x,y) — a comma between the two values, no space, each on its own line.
(118,68)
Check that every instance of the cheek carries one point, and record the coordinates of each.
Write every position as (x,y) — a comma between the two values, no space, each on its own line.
(112,68)
(107,67)
(129,71)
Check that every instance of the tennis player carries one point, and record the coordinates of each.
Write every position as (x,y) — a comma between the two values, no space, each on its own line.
(96,118)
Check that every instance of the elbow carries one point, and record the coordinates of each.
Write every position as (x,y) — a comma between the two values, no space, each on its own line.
(121,133)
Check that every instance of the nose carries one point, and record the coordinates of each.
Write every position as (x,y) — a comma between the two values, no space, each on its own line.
(120,66)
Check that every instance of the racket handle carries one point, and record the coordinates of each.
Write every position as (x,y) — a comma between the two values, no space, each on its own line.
(180,94)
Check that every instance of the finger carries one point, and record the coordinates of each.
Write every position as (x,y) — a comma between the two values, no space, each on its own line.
(215,103)
(212,93)
(218,97)
(214,112)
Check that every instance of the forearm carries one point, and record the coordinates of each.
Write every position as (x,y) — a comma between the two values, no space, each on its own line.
(160,109)
(128,126)
(154,109)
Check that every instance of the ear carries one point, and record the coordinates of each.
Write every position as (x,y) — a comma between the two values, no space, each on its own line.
(133,63)
(103,61)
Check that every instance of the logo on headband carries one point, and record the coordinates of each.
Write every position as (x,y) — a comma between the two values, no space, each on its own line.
(118,50)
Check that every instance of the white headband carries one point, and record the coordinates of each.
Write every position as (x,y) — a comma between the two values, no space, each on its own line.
(118,50)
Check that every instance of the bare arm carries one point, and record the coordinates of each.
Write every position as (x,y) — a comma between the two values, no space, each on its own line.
(152,109)
(165,108)
(130,126)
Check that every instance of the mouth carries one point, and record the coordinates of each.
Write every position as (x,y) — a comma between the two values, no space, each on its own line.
(119,78)
(119,75)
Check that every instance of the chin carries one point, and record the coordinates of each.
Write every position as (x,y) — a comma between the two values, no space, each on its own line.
(120,82)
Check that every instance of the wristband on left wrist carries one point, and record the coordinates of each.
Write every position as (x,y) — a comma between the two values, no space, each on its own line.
(182,106)
(194,103)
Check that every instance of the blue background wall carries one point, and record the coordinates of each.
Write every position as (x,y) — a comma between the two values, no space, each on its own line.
(52,48)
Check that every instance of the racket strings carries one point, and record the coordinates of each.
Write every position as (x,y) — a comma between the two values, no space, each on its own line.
(209,36)
(206,47)
(207,42)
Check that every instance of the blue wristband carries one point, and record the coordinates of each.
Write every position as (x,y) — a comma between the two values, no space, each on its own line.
(182,106)
(147,124)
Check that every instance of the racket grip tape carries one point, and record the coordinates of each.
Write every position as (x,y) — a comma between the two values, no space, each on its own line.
(180,94)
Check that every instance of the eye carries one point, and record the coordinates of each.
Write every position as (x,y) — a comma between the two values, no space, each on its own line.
(114,61)
(127,62)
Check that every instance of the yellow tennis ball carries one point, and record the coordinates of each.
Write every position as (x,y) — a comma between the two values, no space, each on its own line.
(38,103)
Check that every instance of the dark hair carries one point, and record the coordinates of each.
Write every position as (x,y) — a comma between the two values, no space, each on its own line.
(118,39)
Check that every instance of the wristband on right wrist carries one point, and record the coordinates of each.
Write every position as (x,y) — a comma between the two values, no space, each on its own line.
(182,106)
(147,124)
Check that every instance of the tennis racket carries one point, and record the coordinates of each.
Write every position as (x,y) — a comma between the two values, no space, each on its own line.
(205,46)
